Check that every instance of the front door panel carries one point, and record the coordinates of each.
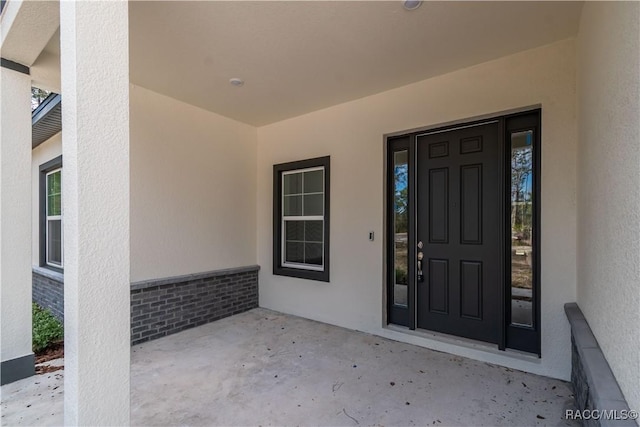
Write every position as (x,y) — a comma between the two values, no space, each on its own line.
(458,224)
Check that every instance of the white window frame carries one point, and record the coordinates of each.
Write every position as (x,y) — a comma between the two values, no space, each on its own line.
(49,218)
(284,219)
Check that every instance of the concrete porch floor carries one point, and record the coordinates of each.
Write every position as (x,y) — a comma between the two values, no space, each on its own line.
(267,368)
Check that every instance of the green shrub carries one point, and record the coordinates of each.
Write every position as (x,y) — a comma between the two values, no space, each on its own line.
(401,275)
(46,329)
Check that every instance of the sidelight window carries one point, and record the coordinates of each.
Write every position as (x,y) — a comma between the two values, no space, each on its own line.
(400,238)
(401,227)
(521,218)
(522,227)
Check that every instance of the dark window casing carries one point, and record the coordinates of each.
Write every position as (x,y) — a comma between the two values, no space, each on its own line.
(278,268)
(42,196)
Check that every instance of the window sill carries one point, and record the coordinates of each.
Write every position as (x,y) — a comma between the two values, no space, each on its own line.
(49,273)
(320,276)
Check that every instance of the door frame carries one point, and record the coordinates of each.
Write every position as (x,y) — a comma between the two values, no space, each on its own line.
(511,336)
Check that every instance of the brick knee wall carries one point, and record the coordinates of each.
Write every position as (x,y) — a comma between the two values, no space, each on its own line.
(580,383)
(166,306)
(47,291)
(594,385)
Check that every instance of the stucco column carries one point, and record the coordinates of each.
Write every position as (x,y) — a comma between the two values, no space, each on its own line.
(94,44)
(15,225)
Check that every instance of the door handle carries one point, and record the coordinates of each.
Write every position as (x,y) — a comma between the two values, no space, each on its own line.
(420,274)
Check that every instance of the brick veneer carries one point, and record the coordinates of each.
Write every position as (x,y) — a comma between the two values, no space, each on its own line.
(594,385)
(166,306)
(47,291)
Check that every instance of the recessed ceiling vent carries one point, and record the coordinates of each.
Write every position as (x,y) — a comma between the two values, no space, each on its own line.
(236,82)
(411,4)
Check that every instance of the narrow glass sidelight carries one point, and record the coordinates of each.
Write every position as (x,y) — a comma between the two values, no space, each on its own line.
(401,226)
(521,213)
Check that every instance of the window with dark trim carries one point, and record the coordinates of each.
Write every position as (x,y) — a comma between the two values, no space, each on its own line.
(301,219)
(51,217)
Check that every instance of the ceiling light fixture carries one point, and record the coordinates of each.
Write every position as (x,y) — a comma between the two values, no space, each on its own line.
(236,82)
(411,4)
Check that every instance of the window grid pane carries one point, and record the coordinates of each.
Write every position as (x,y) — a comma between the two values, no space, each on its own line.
(303,193)
(54,194)
(313,181)
(313,253)
(54,242)
(53,183)
(293,205)
(292,183)
(313,231)
(294,252)
(304,242)
(313,204)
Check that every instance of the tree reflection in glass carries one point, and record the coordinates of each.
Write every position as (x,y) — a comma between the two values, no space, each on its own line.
(401,220)
(522,228)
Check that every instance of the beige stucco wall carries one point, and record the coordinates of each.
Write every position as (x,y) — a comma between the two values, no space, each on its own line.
(15,206)
(48,150)
(608,181)
(352,134)
(193,189)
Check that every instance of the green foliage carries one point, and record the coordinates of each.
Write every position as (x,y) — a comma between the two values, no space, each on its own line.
(401,276)
(46,329)
(37,96)
(401,198)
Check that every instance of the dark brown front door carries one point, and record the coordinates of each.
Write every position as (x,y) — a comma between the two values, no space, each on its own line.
(458,219)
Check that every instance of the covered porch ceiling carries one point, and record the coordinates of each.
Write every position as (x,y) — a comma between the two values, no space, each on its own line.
(300,56)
